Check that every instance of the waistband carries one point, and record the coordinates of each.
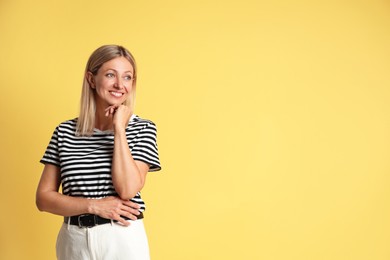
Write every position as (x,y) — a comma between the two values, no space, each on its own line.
(89,220)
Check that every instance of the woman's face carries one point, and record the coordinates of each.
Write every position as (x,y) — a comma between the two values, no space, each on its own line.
(113,82)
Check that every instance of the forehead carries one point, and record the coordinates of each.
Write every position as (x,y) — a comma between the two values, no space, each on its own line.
(120,64)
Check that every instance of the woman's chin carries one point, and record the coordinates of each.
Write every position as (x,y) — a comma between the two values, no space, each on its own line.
(117,103)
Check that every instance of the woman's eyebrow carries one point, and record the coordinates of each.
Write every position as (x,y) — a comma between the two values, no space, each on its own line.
(117,71)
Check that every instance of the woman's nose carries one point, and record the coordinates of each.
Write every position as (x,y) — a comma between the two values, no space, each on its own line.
(119,83)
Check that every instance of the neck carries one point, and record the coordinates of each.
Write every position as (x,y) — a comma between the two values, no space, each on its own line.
(103,122)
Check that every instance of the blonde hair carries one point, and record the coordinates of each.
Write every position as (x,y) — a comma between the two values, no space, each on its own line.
(86,119)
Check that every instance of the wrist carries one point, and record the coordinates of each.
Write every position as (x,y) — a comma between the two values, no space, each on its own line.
(91,206)
(119,129)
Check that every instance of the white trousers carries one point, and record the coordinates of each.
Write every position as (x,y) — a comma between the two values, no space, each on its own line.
(103,242)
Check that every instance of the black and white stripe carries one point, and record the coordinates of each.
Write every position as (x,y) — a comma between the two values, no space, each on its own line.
(85,162)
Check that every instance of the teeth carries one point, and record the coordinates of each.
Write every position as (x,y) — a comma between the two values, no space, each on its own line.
(117,94)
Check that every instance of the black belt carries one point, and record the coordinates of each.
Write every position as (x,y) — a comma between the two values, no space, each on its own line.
(89,220)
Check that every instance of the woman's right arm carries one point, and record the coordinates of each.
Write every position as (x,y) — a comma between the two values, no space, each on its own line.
(50,200)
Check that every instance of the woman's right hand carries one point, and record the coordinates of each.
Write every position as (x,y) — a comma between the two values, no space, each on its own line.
(113,208)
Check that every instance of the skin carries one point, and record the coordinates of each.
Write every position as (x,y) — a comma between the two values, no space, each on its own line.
(112,86)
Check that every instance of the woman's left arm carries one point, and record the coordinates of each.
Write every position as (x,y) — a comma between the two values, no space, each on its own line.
(128,175)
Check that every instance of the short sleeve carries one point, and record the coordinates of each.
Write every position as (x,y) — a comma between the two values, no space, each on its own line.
(144,147)
(51,154)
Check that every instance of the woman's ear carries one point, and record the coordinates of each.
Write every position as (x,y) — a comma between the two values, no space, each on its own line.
(90,79)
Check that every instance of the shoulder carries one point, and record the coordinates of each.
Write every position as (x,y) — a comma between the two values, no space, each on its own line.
(140,127)
(67,126)
(138,122)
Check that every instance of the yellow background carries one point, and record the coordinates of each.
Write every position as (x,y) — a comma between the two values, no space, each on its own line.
(273,121)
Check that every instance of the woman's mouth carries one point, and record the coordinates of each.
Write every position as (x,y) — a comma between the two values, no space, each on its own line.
(116,94)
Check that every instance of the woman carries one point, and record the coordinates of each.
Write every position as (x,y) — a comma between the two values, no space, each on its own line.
(101,160)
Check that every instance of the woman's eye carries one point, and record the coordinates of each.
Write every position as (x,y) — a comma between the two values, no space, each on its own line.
(128,78)
(110,75)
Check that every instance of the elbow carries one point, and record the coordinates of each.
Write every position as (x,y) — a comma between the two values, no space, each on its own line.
(130,192)
(40,203)
(126,194)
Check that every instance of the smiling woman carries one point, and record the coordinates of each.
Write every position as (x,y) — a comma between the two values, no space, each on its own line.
(107,62)
(112,82)
(101,160)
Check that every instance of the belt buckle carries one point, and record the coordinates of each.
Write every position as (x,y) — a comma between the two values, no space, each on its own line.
(87,221)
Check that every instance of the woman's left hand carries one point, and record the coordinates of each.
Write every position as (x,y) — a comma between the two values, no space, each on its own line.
(120,116)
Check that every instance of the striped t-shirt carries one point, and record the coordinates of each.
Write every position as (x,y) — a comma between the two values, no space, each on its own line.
(85,162)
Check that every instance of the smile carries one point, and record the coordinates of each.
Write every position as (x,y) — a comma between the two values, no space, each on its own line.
(116,94)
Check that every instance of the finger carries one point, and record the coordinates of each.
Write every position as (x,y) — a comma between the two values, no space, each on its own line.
(122,108)
(126,214)
(108,108)
(123,221)
(108,111)
(130,210)
(113,110)
(129,215)
(131,204)
(119,218)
